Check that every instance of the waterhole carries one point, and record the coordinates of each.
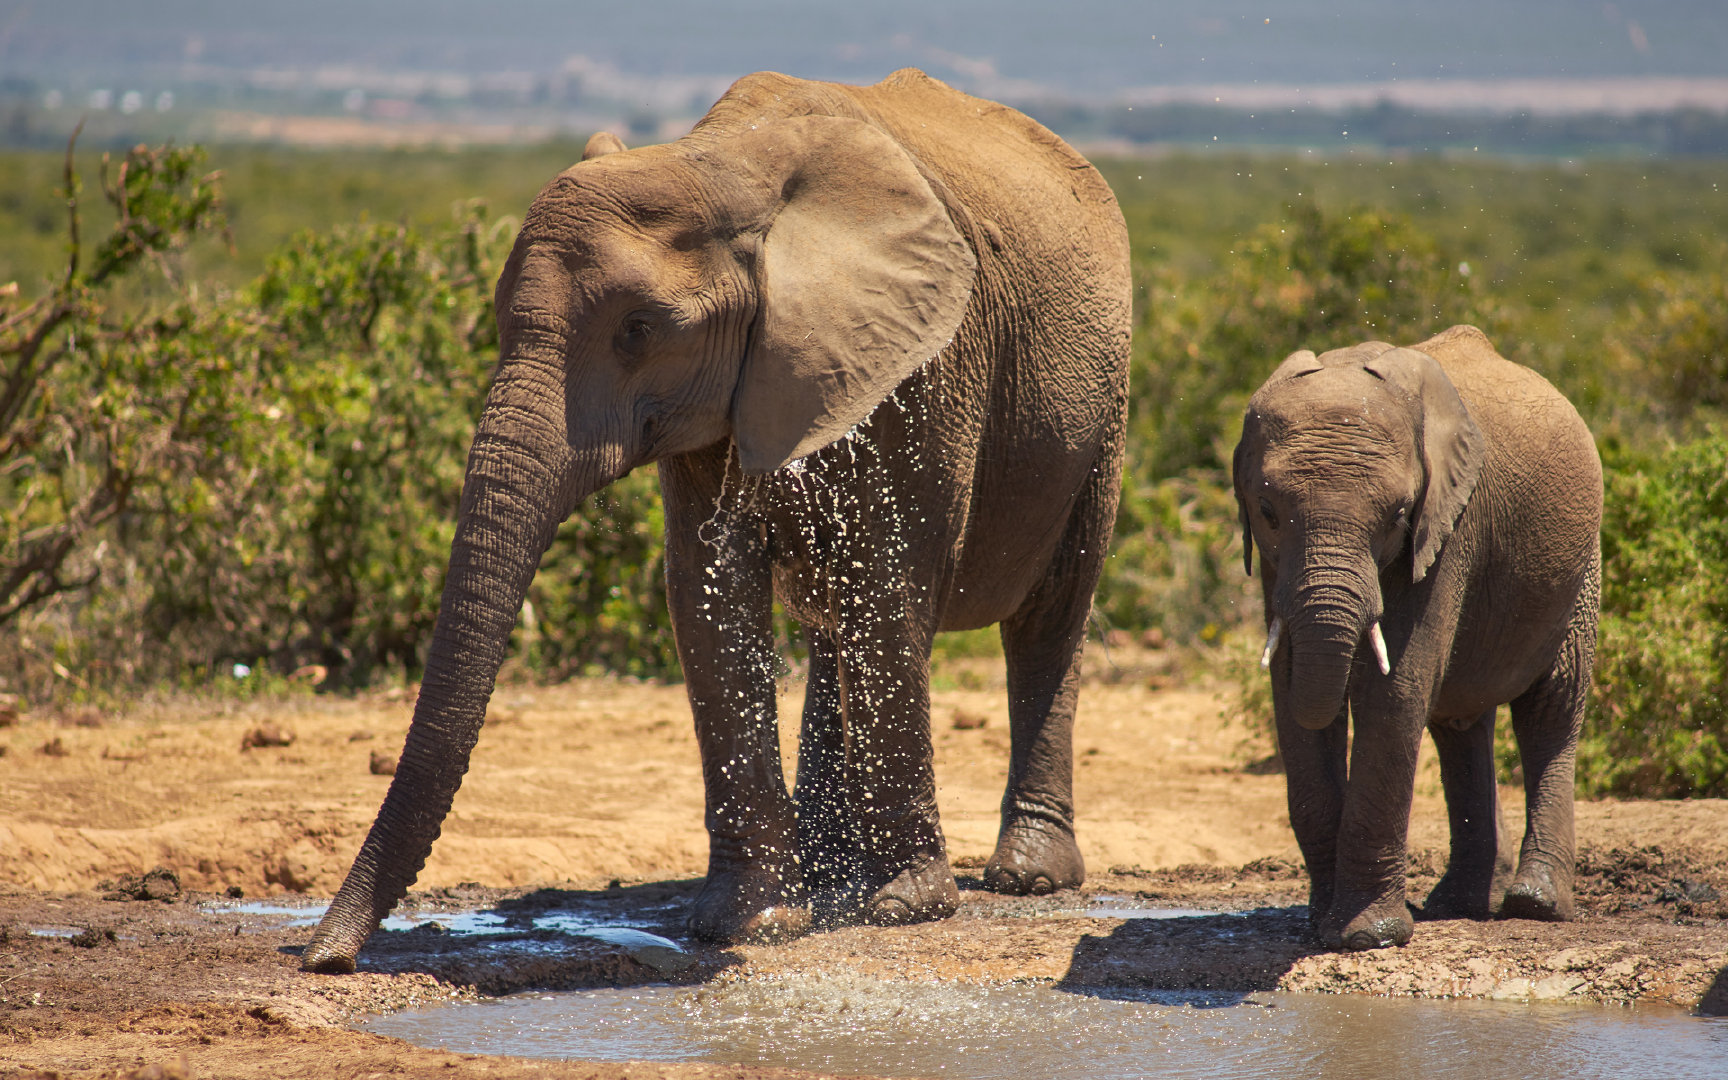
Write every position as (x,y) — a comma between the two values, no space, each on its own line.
(847,1024)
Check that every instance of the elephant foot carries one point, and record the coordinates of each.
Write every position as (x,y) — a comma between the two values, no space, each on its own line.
(751,907)
(1537,894)
(922,893)
(1034,858)
(1380,925)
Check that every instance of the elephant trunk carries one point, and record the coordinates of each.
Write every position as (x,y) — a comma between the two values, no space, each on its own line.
(519,486)
(1330,612)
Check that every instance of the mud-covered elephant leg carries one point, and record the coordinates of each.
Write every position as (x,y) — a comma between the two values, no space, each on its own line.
(718,587)
(1043,643)
(1480,866)
(1314,773)
(1369,906)
(1546,720)
(827,843)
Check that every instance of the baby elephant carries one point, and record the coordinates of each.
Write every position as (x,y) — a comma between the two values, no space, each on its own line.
(1428,523)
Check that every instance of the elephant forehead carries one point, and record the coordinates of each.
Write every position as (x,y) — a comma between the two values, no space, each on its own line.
(1347,444)
(561,273)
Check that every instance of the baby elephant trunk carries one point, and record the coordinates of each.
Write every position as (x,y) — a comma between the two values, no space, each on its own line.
(1329,622)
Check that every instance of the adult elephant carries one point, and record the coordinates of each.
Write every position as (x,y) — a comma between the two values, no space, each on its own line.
(876,339)
(1427,520)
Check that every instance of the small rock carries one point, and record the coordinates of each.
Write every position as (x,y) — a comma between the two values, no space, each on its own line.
(1556,987)
(158,884)
(1154,639)
(267,735)
(383,764)
(969,721)
(361,736)
(55,748)
(10,710)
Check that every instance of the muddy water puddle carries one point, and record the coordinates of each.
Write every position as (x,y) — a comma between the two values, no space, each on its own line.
(853,1025)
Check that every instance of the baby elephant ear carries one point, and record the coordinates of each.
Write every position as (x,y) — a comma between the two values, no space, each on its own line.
(1297,364)
(862,278)
(1238,462)
(1453,448)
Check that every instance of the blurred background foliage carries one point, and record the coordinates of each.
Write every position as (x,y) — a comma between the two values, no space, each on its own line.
(234,424)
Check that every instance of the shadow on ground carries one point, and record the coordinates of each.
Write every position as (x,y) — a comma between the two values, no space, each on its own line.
(1229,952)
(549,939)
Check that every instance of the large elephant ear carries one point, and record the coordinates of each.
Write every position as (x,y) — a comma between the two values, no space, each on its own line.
(1453,448)
(862,278)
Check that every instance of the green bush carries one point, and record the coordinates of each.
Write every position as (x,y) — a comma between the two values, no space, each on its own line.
(1658,719)
(375,347)
(271,476)
(1676,344)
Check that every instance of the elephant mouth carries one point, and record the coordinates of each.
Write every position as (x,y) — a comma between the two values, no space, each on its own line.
(1376,640)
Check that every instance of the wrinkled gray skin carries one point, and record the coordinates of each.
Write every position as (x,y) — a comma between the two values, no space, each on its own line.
(1453,498)
(876,339)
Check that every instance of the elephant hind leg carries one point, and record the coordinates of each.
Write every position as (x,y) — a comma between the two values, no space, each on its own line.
(1036,851)
(1546,720)
(1480,867)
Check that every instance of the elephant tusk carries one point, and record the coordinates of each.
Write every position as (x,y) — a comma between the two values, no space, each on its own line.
(1272,633)
(1378,640)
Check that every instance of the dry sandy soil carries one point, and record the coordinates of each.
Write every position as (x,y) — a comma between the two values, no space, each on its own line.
(590,793)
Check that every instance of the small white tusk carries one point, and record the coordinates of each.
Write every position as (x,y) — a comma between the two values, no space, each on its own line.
(1378,640)
(1272,633)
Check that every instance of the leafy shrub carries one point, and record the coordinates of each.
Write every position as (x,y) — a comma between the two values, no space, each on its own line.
(1677,343)
(273,474)
(1658,719)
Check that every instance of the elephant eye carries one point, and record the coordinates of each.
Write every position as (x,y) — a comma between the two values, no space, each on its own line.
(1267,513)
(634,333)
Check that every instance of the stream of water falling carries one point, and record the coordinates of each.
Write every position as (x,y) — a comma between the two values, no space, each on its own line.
(854,1025)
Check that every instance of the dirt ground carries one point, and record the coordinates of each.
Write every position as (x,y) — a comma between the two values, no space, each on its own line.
(590,794)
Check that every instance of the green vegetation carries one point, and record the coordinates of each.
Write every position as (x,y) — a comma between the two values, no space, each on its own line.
(238,423)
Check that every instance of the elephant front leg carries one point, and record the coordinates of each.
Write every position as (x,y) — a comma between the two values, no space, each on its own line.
(1480,866)
(755,889)
(720,594)
(1370,909)
(900,873)
(1314,773)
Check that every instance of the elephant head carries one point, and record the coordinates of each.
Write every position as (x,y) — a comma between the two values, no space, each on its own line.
(1351,464)
(768,282)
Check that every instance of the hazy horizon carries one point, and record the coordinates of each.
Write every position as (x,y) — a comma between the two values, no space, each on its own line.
(1086,49)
